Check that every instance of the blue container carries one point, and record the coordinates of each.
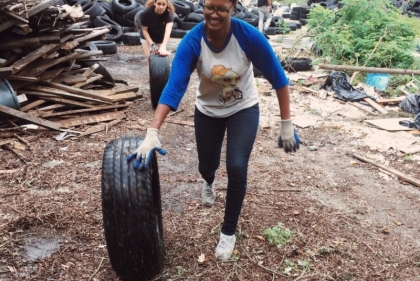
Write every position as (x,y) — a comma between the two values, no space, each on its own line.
(378,80)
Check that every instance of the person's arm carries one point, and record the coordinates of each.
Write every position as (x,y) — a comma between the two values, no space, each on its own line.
(168,29)
(161,112)
(284,102)
(145,32)
(269,5)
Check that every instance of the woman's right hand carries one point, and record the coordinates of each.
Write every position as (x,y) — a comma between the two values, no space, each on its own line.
(143,153)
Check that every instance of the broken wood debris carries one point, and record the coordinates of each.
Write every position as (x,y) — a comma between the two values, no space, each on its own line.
(46,56)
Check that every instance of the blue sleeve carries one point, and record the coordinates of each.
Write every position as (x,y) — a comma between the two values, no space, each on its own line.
(183,65)
(260,52)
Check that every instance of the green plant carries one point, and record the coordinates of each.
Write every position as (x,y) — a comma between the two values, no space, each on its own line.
(370,33)
(278,235)
(289,266)
(180,270)
(306,265)
(408,158)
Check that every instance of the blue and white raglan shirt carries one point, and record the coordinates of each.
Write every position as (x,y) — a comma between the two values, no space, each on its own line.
(227,83)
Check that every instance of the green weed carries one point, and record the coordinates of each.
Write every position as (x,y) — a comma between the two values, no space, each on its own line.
(278,235)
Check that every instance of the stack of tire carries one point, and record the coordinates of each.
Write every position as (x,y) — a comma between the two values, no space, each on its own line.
(413,9)
(299,14)
(276,25)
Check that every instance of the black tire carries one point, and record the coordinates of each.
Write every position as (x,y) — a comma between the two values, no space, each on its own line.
(107,78)
(181,7)
(285,16)
(93,9)
(103,21)
(297,64)
(271,30)
(178,33)
(130,16)
(137,20)
(107,47)
(132,214)
(188,25)
(193,17)
(131,38)
(124,6)
(114,34)
(108,8)
(293,17)
(159,68)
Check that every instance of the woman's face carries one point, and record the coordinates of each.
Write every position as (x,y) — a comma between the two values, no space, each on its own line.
(160,6)
(217,14)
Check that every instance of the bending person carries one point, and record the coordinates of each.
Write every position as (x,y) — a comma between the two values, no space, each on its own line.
(156,25)
(223,50)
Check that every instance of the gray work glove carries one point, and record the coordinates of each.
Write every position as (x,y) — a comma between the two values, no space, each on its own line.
(288,138)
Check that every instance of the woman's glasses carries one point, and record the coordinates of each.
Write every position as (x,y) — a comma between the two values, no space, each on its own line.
(220,11)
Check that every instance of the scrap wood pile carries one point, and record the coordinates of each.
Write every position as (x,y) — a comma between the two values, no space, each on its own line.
(51,76)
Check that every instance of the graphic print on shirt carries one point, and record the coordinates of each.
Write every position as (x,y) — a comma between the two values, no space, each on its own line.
(226,80)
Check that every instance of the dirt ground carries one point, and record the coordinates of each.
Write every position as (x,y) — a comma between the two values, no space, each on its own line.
(350,220)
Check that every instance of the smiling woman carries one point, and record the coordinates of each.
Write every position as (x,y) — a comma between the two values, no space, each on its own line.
(223,50)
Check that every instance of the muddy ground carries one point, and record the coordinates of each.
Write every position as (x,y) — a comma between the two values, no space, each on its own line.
(350,220)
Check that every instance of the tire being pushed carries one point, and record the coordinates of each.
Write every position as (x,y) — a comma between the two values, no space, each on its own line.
(132,214)
(159,68)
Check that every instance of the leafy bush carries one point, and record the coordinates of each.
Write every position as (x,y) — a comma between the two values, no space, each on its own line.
(278,235)
(370,33)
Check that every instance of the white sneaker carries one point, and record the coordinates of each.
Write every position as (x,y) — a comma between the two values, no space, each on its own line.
(207,194)
(225,247)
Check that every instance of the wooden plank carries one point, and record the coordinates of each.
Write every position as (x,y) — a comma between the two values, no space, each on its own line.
(391,170)
(100,127)
(5,71)
(71,79)
(91,119)
(32,105)
(42,91)
(14,16)
(362,108)
(6,142)
(7,24)
(22,29)
(89,81)
(42,64)
(18,65)
(22,78)
(394,100)
(18,43)
(40,7)
(50,74)
(77,111)
(376,106)
(78,91)
(124,97)
(389,124)
(69,102)
(24,116)
(92,35)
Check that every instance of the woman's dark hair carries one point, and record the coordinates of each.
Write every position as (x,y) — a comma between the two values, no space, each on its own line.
(170,7)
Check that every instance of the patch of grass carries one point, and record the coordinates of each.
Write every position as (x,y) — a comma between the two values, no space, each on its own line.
(408,158)
(278,235)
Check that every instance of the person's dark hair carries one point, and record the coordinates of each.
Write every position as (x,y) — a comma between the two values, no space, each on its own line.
(170,7)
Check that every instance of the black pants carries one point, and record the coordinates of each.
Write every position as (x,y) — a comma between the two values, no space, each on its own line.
(241,131)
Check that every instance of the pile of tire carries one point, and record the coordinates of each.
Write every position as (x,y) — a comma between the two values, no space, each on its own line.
(413,8)
(328,4)
(132,214)
(299,14)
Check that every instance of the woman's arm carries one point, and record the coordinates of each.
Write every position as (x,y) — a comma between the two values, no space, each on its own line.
(145,32)
(284,102)
(168,29)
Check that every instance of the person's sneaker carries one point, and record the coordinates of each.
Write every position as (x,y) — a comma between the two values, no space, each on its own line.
(225,247)
(207,194)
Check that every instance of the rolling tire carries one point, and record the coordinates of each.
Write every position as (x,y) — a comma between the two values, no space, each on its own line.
(132,214)
(159,68)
